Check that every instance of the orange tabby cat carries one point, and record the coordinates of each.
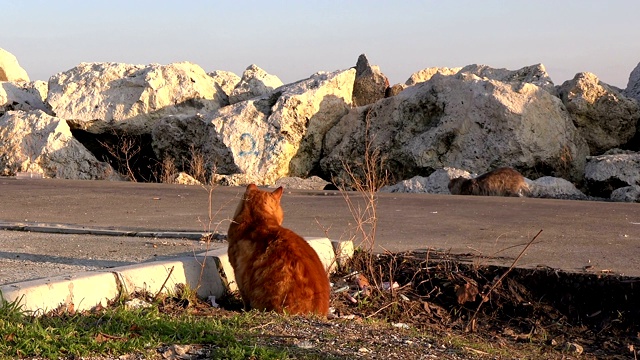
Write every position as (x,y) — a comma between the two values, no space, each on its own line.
(275,269)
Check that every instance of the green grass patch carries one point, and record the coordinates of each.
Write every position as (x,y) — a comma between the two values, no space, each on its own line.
(118,331)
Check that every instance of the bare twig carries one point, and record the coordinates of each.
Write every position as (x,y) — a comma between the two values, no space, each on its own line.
(366,179)
(382,308)
(488,293)
(163,284)
(209,227)
(261,326)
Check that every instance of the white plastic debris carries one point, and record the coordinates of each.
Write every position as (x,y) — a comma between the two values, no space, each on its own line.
(136,304)
(386,286)
(305,344)
(400,325)
(212,301)
(341,289)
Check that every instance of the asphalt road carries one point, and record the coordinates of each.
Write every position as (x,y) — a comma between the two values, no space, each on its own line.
(579,236)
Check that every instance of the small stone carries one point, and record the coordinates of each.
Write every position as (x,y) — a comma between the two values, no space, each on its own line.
(573,348)
(305,344)
(400,325)
(136,304)
(181,350)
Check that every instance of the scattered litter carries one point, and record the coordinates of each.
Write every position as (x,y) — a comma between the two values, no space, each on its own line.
(305,344)
(341,289)
(353,273)
(156,198)
(364,350)
(350,298)
(573,348)
(212,301)
(386,286)
(400,325)
(29,175)
(595,314)
(348,317)
(403,297)
(136,304)
(363,284)
(181,352)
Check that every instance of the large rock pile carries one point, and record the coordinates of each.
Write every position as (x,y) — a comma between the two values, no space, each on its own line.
(464,121)
(10,69)
(254,128)
(604,117)
(36,142)
(99,96)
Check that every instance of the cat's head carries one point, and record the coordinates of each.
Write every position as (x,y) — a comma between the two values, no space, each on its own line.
(261,204)
(455,185)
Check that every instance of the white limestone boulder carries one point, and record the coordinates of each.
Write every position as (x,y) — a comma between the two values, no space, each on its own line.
(604,117)
(605,173)
(183,178)
(36,142)
(255,82)
(633,91)
(462,121)
(426,74)
(626,194)
(293,182)
(633,85)
(101,96)
(436,183)
(533,74)
(10,69)
(263,139)
(554,188)
(226,81)
(23,96)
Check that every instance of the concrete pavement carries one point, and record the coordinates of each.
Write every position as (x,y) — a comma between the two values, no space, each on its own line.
(577,236)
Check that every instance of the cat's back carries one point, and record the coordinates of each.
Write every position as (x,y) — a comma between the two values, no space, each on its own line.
(502,182)
(287,275)
(499,182)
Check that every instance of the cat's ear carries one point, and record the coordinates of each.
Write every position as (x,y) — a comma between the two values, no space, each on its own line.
(252,187)
(277,193)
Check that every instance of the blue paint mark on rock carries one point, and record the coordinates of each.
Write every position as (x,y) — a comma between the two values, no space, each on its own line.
(247,145)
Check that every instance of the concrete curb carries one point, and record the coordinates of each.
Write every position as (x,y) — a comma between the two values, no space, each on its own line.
(71,229)
(85,290)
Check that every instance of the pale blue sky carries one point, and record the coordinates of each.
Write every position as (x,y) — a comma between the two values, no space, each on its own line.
(293,39)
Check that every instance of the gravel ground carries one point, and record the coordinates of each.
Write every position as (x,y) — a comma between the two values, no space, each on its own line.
(32,255)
